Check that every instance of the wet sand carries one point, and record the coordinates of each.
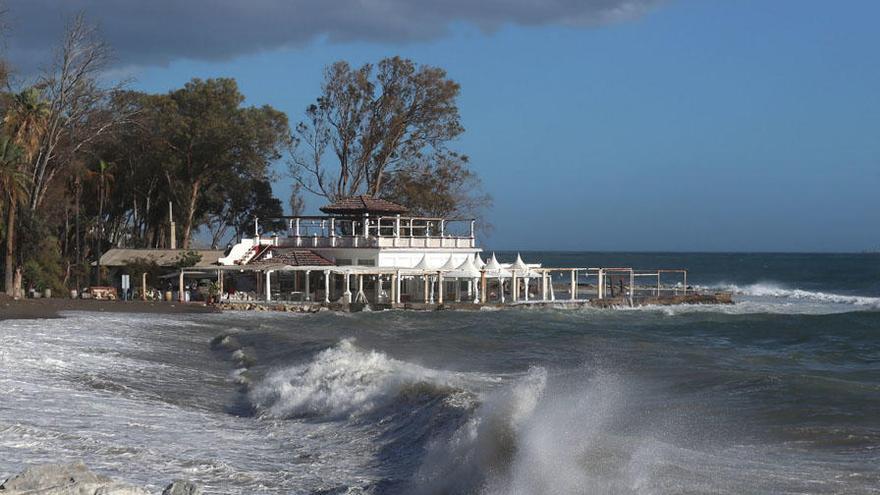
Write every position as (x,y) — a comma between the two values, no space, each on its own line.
(51,308)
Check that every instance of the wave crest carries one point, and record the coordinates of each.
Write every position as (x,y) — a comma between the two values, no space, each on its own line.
(343,380)
(767,289)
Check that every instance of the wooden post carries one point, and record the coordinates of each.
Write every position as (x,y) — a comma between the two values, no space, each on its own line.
(180,296)
(144,286)
(483,286)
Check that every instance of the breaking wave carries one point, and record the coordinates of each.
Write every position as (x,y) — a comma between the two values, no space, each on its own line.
(777,291)
(345,380)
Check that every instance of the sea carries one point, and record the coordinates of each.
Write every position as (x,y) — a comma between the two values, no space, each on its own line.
(776,394)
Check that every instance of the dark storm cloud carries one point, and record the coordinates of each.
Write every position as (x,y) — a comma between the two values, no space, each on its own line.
(150,32)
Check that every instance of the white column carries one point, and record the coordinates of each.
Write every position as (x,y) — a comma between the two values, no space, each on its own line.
(397,291)
(268,285)
(601,284)
(501,288)
(432,288)
(573,285)
(526,288)
(632,287)
(514,286)
(306,288)
(326,286)
(457,290)
(440,284)
(378,288)
(476,290)
(426,290)
(346,296)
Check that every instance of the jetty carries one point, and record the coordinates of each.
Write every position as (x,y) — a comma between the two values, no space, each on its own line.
(366,252)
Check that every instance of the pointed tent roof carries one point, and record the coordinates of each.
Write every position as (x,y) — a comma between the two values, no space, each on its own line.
(423,264)
(493,263)
(519,264)
(466,270)
(449,265)
(478,262)
(494,269)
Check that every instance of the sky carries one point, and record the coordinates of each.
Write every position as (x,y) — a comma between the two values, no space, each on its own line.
(631,125)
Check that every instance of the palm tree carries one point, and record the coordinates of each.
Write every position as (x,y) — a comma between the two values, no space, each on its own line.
(24,126)
(14,188)
(105,179)
(26,120)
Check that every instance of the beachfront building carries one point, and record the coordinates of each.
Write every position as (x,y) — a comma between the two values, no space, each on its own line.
(363,250)
(367,251)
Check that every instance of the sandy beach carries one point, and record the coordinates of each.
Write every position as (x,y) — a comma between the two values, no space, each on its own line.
(50,308)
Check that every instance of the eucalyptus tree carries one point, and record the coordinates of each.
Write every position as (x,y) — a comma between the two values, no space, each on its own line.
(369,121)
(207,134)
(78,102)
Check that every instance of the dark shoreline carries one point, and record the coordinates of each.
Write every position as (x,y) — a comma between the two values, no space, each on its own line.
(31,309)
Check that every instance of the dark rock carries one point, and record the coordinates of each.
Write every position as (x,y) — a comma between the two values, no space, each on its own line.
(182,487)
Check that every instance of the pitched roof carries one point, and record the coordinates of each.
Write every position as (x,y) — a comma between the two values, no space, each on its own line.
(363,204)
(162,257)
(290,256)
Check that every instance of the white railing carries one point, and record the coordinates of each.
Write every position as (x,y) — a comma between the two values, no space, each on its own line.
(396,231)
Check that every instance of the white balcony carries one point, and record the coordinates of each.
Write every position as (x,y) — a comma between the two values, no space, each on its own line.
(372,232)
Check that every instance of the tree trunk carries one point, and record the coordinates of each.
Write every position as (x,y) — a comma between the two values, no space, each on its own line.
(10,248)
(78,247)
(190,213)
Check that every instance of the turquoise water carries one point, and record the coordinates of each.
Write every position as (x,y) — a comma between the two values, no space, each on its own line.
(778,393)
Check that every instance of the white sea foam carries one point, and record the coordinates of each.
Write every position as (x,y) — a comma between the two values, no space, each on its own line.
(778,291)
(342,380)
(532,437)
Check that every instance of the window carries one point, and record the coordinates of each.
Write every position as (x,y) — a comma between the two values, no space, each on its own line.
(368,262)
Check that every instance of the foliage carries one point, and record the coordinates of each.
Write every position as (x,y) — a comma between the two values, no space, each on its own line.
(371,122)
(136,267)
(442,187)
(43,267)
(86,166)
(187,259)
(210,138)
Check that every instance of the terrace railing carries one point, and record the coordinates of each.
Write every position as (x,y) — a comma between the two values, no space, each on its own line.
(379,231)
